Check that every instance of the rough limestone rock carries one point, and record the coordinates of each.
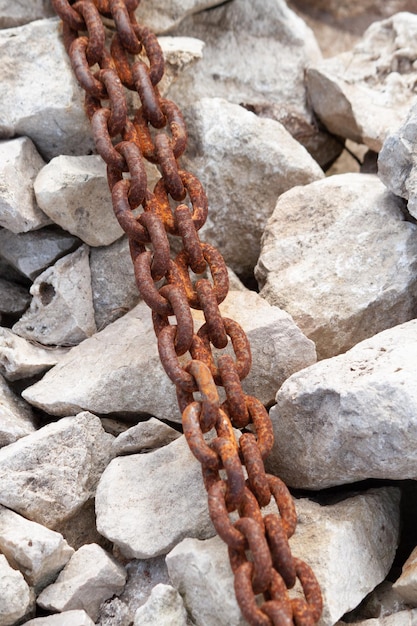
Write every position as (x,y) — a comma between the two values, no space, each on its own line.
(406,584)
(14,298)
(112,282)
(38,552)
(402,618)
(350,417)
(61,311)
(340,258)
(162,15)
(233,152)
(19,164)
(39,96)
(382,601)
(365,93)
(367,523)
(397,162)
(119,370)
(164,608)
(179,53)
(90,577)
(16,416)
(144,436)
(16,598)
(147,517)
(31,253)
(49,474)
(19,358)
(67,618)
(73,192)
(17,13)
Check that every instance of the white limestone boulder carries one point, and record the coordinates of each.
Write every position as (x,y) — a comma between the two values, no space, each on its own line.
(146,503)
(242,161)
(339,256)
(366,93)
(61,311)
(20,358)
(89,578)
(38,552)
(66,618)
(48,475)
(16,416)
(17,600)
(144,436)
(19,165)
(119,371)
(367,523)
(163,608)
(351,417)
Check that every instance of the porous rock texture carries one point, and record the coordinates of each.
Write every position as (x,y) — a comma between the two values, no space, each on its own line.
(103,510)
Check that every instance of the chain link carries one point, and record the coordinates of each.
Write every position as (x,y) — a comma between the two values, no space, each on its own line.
(260,556)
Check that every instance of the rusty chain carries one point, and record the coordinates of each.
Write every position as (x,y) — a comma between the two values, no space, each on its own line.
(260,556)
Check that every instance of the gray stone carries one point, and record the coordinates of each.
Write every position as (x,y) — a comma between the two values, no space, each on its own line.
(147,517)
(61,311)
(402,618)
(80,528)
(144,436)
(67,618)
(381,602)
(340,258)
(17,13)
(31,253)
(39,95)
(233,152)
(14,298)
(366,93)
(119,370)
(351,417)
(406,584)
(49,474)
(16,417)
(20,358)
(90,577)
(39,553)
(163,608)
(16,599)
(397,162)
(367,523)
(163,15)
(112,282)
(19,165)
(73,192)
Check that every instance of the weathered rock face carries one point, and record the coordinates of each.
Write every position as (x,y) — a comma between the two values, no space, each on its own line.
(339,257)
(164,607)
(147,518)
(17,13)
(19,165)
(16,600)
(224,140)
(406,584)
(350,417)
(201,572)
(129,379)
(397,162)
(162,16)
(48,475)
(144,436)
(365,93)
(16,416)
(66,618)
(61,311)
(74,193)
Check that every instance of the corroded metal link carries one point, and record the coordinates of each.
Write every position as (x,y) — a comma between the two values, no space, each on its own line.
(263,426)
(122,63)
(81,68)
(115,93)
(153,51)
(311,589)
(136,169)
(170,362)
(169,167)
(194,435)
(280,550)
(246,597)
(235,402)
(218,272)
(68,15)
(210,414)
(176,123)
(262,562)
(95,30)
(190,239)
(208,303)
(226,449)
(122,15)
(240,345)
(197,198)
(103,142)
(185,326)
(148,95)
(253,462)
(285,504)
(161,259)
(122,210)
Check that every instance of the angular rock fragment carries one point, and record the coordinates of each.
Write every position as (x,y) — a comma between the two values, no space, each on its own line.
(39,553)
(179,53)
(397,161)
(16,416)
(90,577)
(16,599)
(144,436)
(340,258)
(147,517)
(19,358)
(242,161)
(406,584)
(73,192)
(366,93)
(61,311)
(163,608)
(31,253)
(367,523)
(112,282)
(14,298)
(381,602)
(162,16)
(18,13)
(351,417)
(49,474)
(19,164)
(67,618)
(119,369)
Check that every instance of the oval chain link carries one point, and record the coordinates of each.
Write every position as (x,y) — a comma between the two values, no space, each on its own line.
(197,278)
